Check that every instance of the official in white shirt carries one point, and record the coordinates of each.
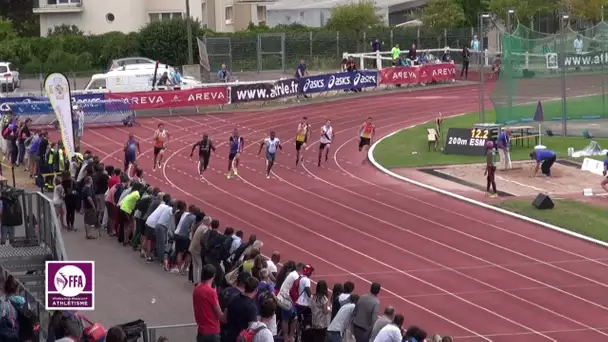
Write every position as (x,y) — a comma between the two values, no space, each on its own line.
(327,137)
(391,332)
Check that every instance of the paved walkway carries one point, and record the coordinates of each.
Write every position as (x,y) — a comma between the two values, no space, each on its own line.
(127,288)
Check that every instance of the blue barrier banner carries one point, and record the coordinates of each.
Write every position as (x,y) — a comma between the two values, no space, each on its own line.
(339,81)
(31,105)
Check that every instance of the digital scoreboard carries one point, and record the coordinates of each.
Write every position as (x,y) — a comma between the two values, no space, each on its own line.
(468,141)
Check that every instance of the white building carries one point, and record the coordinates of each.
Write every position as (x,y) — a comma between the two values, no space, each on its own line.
(315,13)
(101,16)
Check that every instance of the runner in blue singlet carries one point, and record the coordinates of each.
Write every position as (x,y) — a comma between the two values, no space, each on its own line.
(236,145)
(131,151)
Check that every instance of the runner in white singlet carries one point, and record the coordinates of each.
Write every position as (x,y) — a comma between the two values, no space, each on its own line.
(272,144)
(327,137)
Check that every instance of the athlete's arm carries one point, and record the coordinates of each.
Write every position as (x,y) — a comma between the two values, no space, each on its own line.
(280,146)
(361,129)
(211,146)
(138,149)
(261,146)
(371,137)
(242,145)
(126,146)
(196,144)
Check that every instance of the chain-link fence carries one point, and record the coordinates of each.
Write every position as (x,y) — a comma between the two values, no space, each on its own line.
(322,50)
(565,72)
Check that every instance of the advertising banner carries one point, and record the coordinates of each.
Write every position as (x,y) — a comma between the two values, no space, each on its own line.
(575,60)
(29,105)
(338,81)
(173,98)
(57,88)
(427,73)
(266,91)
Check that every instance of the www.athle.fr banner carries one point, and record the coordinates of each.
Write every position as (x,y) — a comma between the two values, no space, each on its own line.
(57,88)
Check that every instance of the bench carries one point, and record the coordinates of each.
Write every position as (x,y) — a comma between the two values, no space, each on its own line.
(432,138)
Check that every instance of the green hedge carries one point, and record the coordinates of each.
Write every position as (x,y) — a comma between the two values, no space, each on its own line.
(167,41)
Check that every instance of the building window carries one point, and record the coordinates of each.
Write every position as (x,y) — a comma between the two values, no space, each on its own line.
(164,16)
(63,2)
(261,13)
(228,14)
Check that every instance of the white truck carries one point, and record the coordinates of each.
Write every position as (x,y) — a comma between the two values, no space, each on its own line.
(138,77)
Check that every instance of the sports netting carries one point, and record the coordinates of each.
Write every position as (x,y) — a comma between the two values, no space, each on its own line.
(549,68)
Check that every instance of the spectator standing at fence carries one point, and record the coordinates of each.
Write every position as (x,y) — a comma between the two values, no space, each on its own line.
(412,54)
(59,201)
(320,308)
(466,57)
(503,149)
(33,154)
(391,332)
(100,185)
(71,200)
(301,72)
(158,221)
(195,249)
(366,313)
(182,238)
(78,124)
(475,44)
(23,133)
(376,45)
(223,75)
(271,266)
(396,54)
(89,209)
(387,318)
(241,310)
(578,45)
(207,312)
(339,324)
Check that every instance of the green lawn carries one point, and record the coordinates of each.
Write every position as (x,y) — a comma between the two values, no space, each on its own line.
(587,107)
(409,148)
(566,214)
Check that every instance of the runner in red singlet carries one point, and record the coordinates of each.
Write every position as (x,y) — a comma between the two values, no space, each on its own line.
(366,136)
(161,138)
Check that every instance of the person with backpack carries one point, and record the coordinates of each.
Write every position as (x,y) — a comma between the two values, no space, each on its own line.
(241,310)
(10,308)
(266,292)
(286,299)
(217,252)
(259,331)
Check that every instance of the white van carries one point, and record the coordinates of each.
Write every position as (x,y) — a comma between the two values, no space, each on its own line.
(135,77)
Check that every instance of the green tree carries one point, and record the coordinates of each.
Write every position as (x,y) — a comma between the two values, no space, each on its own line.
(167,40)
(443,14)
(25,22)
(6,29)
(525,10)
(354,17)
(587,9)
(471,9)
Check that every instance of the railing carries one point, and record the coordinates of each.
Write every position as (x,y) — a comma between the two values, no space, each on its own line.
(237,93)
(40,240)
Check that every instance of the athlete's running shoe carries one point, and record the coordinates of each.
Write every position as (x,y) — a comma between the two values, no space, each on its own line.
(236,172)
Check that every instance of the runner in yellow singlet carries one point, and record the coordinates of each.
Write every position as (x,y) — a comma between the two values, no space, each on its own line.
(366,135)
(160,139)
(302,135)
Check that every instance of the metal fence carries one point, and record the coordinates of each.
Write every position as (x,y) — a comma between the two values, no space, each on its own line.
(322,50)
(35,241)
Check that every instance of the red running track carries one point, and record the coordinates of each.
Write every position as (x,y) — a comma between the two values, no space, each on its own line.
(449,267)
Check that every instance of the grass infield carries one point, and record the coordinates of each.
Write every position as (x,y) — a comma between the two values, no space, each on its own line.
(409,148)
(566,214)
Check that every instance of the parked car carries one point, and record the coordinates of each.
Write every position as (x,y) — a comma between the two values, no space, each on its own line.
(9,77)
(120,62)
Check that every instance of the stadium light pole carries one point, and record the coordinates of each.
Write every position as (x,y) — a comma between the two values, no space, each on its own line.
(509,13)
(481,19)
(564,92)
(189,34)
